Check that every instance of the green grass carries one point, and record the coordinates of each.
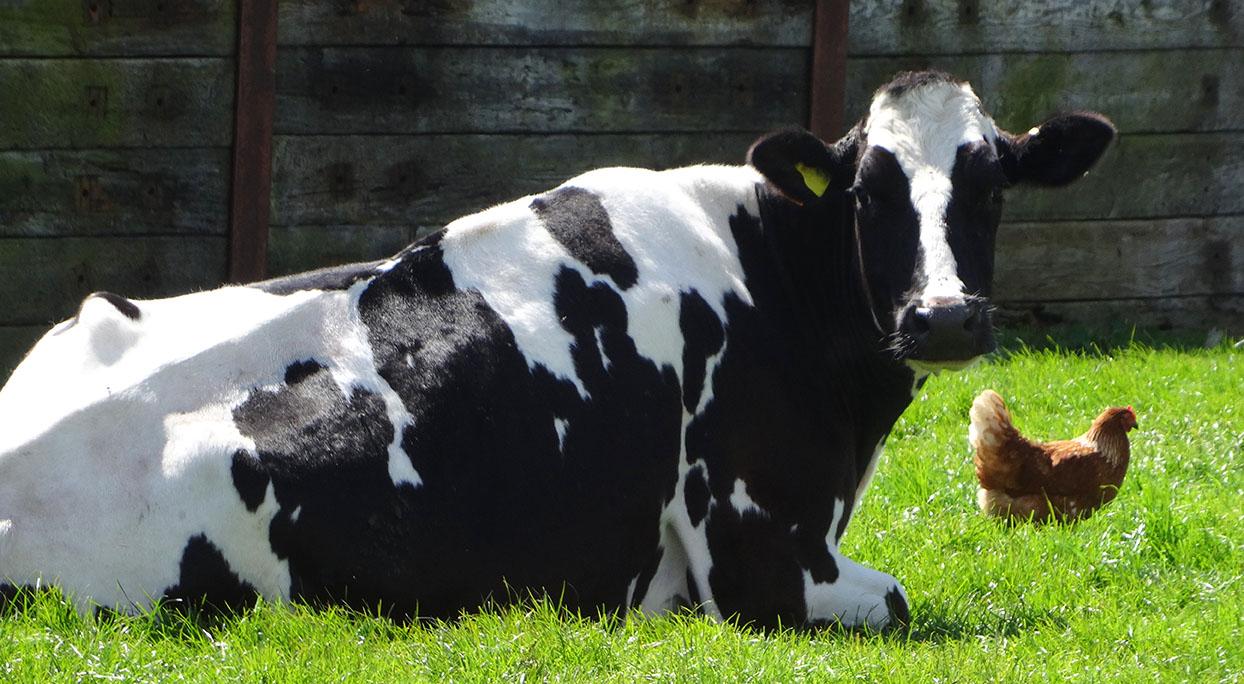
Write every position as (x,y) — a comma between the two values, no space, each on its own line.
(1151,588)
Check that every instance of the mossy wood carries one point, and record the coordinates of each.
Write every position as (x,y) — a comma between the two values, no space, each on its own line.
(107,28)
(46,279)
(86,103)
(114,192)
(546,22)
(433,179)
(538,90)
(955,27)
(1143,92)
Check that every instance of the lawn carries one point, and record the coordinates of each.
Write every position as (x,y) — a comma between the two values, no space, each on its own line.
(1149,589)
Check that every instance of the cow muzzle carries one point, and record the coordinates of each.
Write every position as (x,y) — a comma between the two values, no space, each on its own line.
(946,334)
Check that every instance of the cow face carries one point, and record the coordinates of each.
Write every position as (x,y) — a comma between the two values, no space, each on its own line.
(924,175)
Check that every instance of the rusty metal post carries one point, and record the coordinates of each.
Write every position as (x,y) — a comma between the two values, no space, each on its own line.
(252,140)
(829,68)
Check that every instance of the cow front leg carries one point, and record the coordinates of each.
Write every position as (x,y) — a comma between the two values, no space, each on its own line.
(858,597)
(772,574)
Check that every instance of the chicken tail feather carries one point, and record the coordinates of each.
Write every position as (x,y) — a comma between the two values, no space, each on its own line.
(993,437)
(991,422)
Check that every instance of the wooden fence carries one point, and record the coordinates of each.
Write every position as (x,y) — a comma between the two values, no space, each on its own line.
(391,117)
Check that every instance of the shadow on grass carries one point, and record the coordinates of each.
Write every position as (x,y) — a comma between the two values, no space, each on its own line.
(1100,340)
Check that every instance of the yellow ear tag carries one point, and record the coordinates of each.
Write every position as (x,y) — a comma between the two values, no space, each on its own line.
(814,178)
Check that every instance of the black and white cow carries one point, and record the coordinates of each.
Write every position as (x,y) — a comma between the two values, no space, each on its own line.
(635,391)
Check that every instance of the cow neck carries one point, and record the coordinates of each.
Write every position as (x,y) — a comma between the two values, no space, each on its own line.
(814,254)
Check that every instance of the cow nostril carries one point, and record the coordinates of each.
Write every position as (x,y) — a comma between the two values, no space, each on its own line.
(919,319)
(972,321)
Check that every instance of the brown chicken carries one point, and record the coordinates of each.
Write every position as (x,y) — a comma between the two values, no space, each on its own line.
(1066,480)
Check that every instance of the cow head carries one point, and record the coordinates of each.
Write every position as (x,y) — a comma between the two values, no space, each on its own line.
(924,173)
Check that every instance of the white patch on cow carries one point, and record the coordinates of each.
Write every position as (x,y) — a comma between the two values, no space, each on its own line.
(742,501)
(560,424)
(858,595)
(295,514)
(141,444)
(600,348)
(630,590)
(507,255)
(857,598)
(674,224)
(831,537)
(868,476)
(357,369)
(923,127)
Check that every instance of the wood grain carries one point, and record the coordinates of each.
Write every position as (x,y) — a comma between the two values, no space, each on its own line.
(480,90)
(322,180)
(293,249)
(46,279)
(546,22)
(1150,91)
(113,192)
(1084,260)
(104,28)
(1146,176)
(950,27)
(83,103)
(430,180)
(1225,312)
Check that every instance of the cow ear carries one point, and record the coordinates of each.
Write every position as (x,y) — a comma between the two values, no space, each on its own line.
(1058,151)
(800,165)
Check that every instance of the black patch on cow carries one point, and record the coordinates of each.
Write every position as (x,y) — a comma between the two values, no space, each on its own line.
(812,555)
(249,479)
(206,578)
(900,614)
(695,488)
(301,370)
(802,393)
(644,579)
(693,591)
(576,218)
(906,81)
(126,307)
(501,511)
(331,278)
(889,232)
(702,337)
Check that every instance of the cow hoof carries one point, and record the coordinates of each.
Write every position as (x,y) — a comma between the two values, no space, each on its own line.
(900,614)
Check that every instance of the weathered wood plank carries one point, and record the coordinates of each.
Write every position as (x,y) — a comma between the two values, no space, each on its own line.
(44,280)
(546,22)
(1225,312)
(15,341)
(112,192)
(948,27)
(429,180)
(481,90)
(1162,91)
(52,28)
(426,180)
(293,249)
(1146,176)
(1086,260)
(116,103)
